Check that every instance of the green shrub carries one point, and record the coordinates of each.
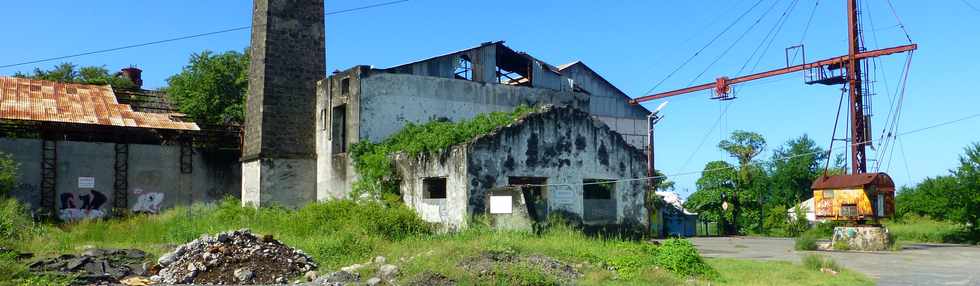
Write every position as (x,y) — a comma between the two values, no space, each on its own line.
(15,222)
(841,245)
(636,257)
(816,262)
(8,174)
(806,241)
(924,229)
(681,257)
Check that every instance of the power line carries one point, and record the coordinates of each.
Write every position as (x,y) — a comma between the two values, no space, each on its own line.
(184,37)
(698,52)
(971,6)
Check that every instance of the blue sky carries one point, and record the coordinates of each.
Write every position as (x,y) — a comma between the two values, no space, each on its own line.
(634,44)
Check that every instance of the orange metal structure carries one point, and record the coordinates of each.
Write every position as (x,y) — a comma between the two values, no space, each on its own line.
(854,79)
(857,197)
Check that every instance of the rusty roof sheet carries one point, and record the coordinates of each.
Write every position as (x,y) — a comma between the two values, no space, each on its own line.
(881,180)
(41,100)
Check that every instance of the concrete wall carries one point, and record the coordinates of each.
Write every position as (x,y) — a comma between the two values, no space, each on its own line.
(566,146)
(451,165)
(389,101)
(154,176)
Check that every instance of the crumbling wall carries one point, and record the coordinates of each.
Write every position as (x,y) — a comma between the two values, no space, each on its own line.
(336,175)
(566,146)
(155,180)
(450,212)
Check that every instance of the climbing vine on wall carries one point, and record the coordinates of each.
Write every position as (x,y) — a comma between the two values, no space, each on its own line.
(373,161)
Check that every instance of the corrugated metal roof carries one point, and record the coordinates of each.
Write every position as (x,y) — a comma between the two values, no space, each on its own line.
(41,100)
(881,180)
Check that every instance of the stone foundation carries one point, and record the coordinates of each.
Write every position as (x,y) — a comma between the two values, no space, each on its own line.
(862,238)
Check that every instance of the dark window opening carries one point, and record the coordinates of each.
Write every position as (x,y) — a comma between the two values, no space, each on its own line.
(464,68)
(338,128)
(434,188)
(535,195)
(345,86)
(323,119)
(594,189)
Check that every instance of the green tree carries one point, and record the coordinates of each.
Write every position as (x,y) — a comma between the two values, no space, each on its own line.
(71,73)
(794,167)
(211,87)
(965,200)
(718,178)
(744,146)
(929,198)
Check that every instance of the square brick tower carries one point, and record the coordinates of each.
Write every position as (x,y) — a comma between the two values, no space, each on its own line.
(287,58)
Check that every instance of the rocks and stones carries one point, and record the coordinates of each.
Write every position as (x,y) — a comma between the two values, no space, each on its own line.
(95,265)
(862,238)
(429,278)
(380,260)
(374,281)
(310,276)
(388,272)
(235,257)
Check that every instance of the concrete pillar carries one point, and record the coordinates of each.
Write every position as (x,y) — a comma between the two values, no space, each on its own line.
(287,58)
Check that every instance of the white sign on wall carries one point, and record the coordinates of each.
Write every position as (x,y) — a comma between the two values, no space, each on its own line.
(86,182)
(501,205)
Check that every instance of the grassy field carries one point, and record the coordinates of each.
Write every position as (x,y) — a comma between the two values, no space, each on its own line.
(921,229)
(342,233)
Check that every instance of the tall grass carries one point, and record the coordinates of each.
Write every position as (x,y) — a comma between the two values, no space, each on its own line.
(923,229)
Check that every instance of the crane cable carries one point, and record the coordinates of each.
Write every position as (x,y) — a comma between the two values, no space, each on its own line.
(899,20)
(840,104)
(698,52)
(740,37)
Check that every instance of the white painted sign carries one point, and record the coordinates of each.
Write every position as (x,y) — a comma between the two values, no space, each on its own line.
(501,205)
(86,182)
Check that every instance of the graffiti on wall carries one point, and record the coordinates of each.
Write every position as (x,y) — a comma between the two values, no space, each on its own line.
(147,202)
(82,205)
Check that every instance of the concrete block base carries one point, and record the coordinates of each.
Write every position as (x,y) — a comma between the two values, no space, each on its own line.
(862,238)
(285,182)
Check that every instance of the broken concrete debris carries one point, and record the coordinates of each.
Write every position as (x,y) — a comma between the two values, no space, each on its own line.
(96,266)
(235,257)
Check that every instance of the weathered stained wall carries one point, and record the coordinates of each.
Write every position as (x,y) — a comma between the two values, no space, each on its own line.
(566,146)
(154,176)
(451,165)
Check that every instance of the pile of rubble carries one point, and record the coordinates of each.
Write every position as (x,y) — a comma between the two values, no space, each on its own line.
(236,257)
(96,266)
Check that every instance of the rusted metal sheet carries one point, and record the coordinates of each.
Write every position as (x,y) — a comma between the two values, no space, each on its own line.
(38,100)
(880,180)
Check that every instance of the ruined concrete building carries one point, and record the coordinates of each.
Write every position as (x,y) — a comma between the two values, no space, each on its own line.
(88,151)
(594,136)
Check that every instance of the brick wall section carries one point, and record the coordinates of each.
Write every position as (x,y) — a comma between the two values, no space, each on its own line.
(288,57)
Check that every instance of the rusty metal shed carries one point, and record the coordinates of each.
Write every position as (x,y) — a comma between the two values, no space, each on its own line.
(880,180)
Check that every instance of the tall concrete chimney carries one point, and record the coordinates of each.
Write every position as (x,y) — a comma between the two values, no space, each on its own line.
(288,57)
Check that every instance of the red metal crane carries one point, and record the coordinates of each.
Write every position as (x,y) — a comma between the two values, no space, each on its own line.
(827,72)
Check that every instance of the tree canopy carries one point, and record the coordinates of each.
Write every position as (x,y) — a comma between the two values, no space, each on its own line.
(71,73)
(793,168)
(211,88)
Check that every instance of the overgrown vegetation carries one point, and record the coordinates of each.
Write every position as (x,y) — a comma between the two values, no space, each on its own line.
(806,241)
(913,228)
(211,88)
(373,160)
(817,262)
(340,233)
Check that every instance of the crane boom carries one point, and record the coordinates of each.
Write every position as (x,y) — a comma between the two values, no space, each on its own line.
(724,82)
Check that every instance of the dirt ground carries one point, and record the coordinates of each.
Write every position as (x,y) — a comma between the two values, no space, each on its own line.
(916,264)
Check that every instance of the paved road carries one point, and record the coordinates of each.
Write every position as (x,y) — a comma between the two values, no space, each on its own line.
(916,264)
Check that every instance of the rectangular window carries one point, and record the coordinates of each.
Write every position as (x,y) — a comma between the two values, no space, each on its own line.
(464,68)
(345,86)
(828,194)
(434,188)
(338,128)
(595,189)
